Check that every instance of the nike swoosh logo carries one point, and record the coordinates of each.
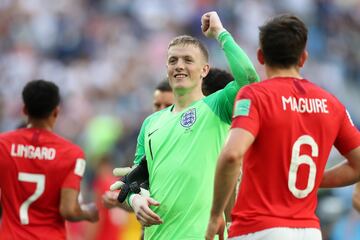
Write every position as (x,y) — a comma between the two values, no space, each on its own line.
(152,132)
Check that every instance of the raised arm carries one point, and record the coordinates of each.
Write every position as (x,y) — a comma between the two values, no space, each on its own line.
(240,65)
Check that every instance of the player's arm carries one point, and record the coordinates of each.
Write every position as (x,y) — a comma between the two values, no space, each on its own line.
(348,144)
(72,210)
(139,152)
(240,65)
(345,173)
(110,199)
(356,197)
(227,172)
(229,206)
(137,203)
(244,129)
(140,146)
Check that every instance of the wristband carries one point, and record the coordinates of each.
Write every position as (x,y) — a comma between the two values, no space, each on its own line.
(221,38)
(220,34)
(130,199)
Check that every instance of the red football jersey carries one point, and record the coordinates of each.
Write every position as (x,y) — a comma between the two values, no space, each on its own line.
(35,165)
(295,123)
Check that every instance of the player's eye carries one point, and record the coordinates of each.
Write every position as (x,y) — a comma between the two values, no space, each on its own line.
(188,60)
(172,61)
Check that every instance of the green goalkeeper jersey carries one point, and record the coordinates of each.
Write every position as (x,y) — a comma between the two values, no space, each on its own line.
(182,150)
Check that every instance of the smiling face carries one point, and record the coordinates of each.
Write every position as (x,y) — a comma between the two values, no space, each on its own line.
(186,67)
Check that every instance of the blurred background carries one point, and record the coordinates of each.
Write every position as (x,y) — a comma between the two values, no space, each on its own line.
(108,55)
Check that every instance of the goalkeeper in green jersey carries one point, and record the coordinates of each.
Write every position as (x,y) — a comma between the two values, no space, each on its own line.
(183,141)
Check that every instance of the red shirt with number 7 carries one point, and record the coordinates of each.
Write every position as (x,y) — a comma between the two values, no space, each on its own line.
(295,124)
(35,165)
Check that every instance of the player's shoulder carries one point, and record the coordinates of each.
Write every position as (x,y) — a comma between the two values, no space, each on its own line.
(65,143)
(157,114)
(252,88)
(13,134)
(322,92)
(267,84)
(9,134)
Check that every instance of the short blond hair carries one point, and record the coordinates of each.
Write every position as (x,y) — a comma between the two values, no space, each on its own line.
(189,40)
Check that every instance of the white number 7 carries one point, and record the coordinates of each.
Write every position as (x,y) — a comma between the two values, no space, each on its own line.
(39,179)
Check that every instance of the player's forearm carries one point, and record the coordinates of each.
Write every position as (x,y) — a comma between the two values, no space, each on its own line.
(240,65)
(79,213)
(341,175)
(356,197)
(225,180)
(126,207)
(229,206)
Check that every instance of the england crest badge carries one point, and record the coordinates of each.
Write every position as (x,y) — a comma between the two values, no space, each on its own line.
(188,118)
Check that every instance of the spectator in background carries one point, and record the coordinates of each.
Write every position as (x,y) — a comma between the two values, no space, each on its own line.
(40,172)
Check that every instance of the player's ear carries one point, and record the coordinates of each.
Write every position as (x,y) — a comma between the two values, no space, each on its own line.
(25,111)
(304,56)
(56,112)
(205,70)
(260,56)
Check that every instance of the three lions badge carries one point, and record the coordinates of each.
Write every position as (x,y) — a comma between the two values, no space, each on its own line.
(188,118)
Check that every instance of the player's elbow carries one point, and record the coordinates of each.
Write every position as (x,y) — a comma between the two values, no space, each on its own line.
(70,212)
(232,157)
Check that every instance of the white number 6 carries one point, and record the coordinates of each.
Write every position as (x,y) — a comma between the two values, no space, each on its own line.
(296,160)
(39,179)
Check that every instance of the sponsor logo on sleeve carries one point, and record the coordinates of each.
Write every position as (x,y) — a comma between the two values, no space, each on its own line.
(242,107)
(80,167)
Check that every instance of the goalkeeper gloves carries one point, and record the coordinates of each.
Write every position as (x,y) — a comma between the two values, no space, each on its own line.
(134,180)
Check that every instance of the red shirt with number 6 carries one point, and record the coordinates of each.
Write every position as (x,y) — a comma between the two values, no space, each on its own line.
(295,124)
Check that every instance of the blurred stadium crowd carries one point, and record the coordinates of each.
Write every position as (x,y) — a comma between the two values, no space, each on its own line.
(107,56)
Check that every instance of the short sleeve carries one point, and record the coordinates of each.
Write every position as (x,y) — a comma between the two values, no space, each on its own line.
(76,172)
(348,137)
(245,112)
(140,147)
